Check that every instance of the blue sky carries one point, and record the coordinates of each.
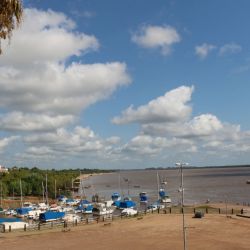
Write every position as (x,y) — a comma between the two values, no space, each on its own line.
(126,84)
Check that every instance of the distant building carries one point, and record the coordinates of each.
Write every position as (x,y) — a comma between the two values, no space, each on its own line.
(3,169)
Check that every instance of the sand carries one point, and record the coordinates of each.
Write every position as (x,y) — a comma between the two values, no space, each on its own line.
(154,231)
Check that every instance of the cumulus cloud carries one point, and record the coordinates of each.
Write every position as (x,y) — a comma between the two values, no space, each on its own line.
(38,77)
(18,121)
(200,126)
(203,50)
(171,107)
(59,89)
(4,142)
(49,28)
(162,37)
(81,141)
(230,48)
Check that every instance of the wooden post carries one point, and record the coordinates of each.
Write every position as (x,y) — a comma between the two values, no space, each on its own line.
(25,227)
(219,210)
(232,211)
(3,228)
(9,228)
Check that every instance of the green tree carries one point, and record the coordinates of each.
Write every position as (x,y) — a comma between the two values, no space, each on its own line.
(11,12)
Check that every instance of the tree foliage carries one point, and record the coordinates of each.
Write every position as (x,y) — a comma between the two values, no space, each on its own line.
(11,12)
(33,180)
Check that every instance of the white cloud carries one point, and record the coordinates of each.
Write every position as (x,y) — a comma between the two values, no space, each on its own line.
(4,142)
(200,126)
(17,121)
(203,50)
(230,48)
(162,37)
(37,77)
(71,143)
(171,107)
(54,88)
(48,28)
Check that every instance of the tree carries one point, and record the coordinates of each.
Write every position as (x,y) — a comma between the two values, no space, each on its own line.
(11,12)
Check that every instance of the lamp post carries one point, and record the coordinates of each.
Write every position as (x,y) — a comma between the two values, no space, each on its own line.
(180,165)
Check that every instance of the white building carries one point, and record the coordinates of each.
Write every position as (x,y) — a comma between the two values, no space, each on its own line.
(3,169)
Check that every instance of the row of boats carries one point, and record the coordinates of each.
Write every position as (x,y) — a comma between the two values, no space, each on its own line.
(72,210)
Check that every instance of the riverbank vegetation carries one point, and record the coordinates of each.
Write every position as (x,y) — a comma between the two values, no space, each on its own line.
(33,181)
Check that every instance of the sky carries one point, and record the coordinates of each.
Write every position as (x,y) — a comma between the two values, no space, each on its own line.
(126,84)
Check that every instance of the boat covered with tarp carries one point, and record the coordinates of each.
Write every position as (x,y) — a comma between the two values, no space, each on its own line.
(51,216)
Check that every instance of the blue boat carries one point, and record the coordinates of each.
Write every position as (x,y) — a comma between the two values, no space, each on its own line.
(164,197)
(23,211)
(51,216)
(143,197)
(115,197)
(9,220)
(126,203)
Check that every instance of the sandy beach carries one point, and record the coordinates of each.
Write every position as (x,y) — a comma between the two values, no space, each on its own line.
(154,231)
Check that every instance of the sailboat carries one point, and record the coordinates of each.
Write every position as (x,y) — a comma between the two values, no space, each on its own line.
(163,197)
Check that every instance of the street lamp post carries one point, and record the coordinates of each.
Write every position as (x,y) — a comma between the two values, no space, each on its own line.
(182,205)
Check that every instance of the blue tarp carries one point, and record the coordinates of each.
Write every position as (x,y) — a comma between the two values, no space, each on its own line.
(50,215)
(61,197)
(143,197)
(115,196)
(85,208)
(84,202)
(2,220)
(126,204)
(70,200)
(23,210)
(117,203)
(162,194)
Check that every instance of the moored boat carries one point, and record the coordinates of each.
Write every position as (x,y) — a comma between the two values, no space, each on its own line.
(143,197)
(51,216)
(101,209)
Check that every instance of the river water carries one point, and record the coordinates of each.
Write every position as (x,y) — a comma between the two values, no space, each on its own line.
(200,185)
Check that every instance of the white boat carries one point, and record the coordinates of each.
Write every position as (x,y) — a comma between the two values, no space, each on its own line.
(34,214)
(72,218)
(102,209)
(42,206)
(128,212)
(164,197)
(15,225)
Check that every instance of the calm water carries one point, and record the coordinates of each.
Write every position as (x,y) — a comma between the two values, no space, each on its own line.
(217,185)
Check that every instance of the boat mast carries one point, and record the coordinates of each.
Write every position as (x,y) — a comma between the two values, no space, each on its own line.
(55,189)
(158,185)
(1,195)
(43,191)
(46,189)
(21,193)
